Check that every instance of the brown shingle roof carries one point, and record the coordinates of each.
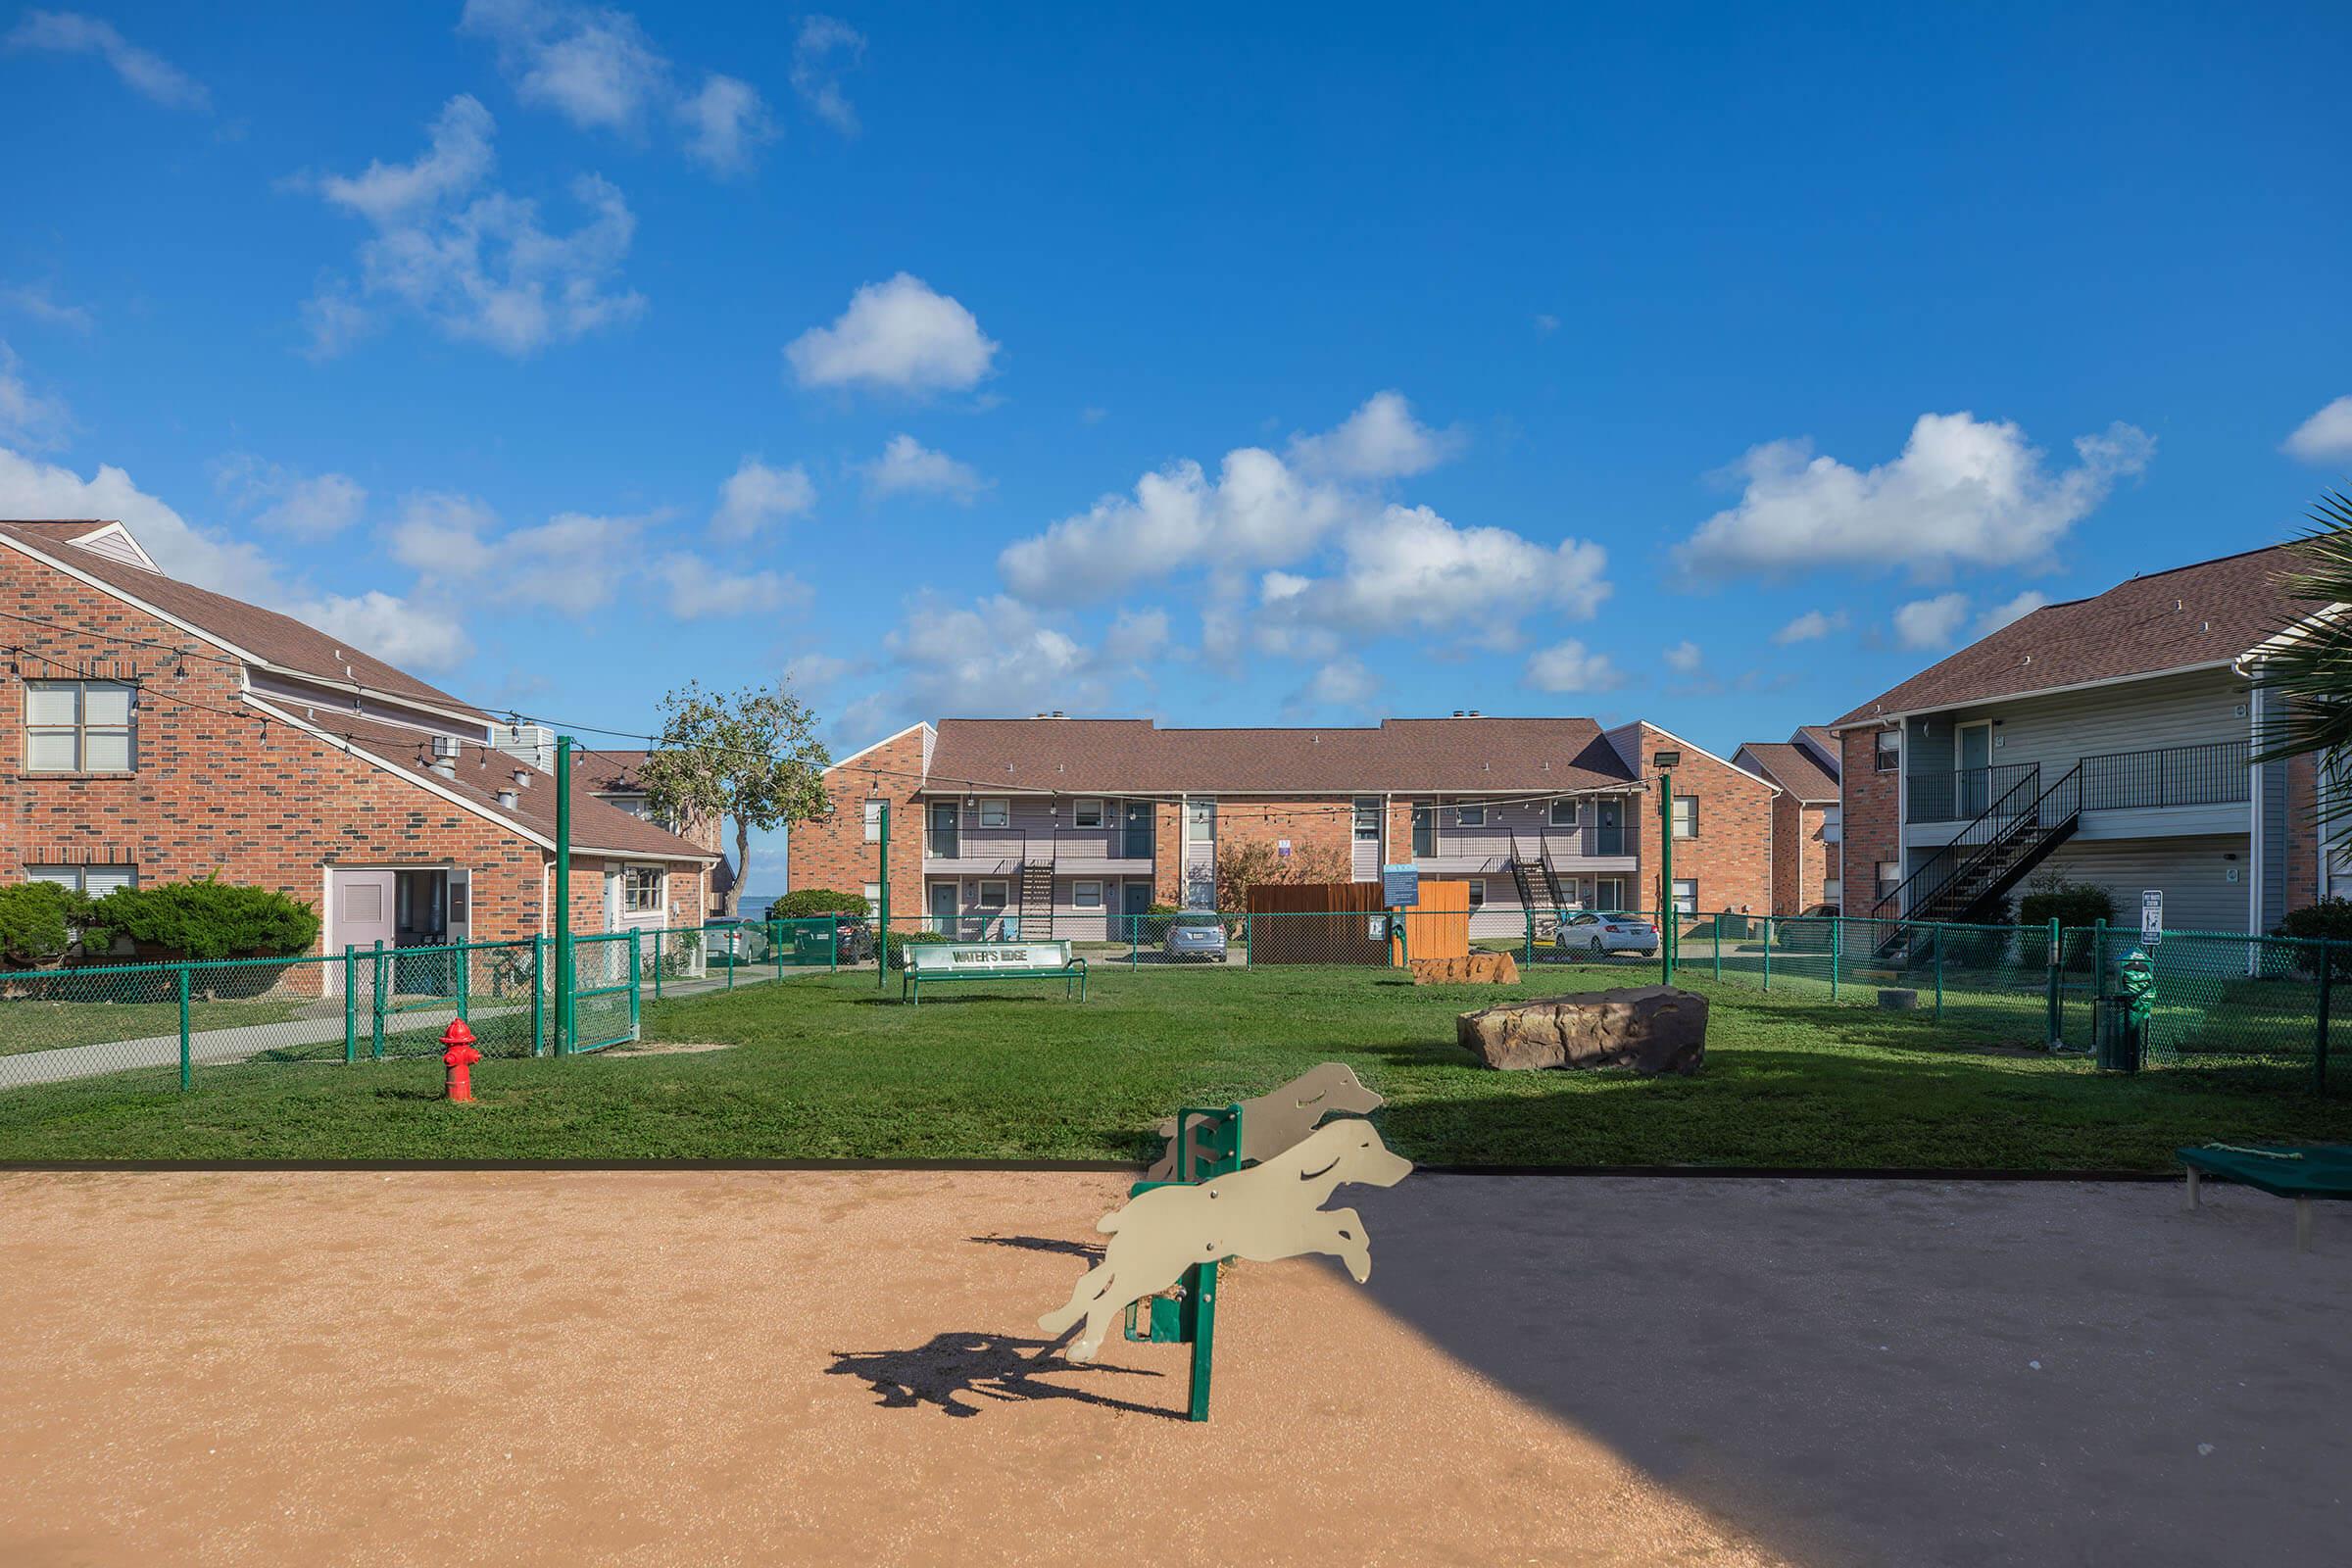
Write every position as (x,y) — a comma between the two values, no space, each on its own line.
(268,635)
(482,771)
(2207,614)
(1792,768)
(1133,756)
(610,772)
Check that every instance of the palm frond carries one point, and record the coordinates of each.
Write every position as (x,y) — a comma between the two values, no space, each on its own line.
(2310,669)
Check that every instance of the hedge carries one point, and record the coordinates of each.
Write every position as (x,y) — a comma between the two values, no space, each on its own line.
(805,902)
(206,919)
(37,920)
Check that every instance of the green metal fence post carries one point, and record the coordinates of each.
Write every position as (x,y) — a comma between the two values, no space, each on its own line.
(658,935)
(1135,940)
(2319,1055)
(1836,952)
(465,961)
(882,888)
(636,982)
(184,1064)
(735,935)
(775,945)
(351,1004)
(1938,928)
(1768,952)
(1719,919)
(832,945)
(2057,1021)
(2098,975)
(381,979)
(1527,958)
(564,964)
(538,995)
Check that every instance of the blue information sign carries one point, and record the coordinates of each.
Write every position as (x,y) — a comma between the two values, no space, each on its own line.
(1400,886)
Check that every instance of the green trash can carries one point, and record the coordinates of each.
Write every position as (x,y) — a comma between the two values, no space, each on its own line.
(2124,1015)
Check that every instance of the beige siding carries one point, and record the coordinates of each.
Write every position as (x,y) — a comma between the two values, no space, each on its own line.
(2189,710)
(2192,872)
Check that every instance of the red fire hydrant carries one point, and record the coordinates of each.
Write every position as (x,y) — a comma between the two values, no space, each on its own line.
(457,1055)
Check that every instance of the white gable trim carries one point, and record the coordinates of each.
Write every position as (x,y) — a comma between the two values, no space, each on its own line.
(924,724)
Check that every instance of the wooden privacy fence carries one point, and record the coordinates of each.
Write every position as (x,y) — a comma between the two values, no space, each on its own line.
(1347,922)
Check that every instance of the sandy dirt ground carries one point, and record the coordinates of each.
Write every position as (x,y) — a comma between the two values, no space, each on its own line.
(718,1368)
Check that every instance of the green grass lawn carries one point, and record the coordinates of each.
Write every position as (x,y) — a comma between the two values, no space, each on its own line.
(31,1023)
(826,1067)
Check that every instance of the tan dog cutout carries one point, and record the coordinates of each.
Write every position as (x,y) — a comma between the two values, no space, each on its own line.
(1274,1121)
(1270,1212)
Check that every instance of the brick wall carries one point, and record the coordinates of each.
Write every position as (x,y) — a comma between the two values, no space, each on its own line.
(833,853)
(1871,818)
(1803,863)
(219,792)
(1731,859)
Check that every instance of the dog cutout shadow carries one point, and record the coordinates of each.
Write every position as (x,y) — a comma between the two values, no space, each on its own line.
(986,1369)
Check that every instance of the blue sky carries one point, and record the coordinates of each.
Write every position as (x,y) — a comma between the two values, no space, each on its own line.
(1250,364)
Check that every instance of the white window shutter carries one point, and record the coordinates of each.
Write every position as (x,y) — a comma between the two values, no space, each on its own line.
(100,880)
(49,703)
(103,704)
(50,752)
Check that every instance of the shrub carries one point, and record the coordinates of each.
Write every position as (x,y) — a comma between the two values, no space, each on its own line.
(893,943)
(2328,921)
(38,920)
(804,902)
(2077,907)
(208,919)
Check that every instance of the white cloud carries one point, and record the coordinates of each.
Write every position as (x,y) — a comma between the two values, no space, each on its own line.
(1962,492)
(909,467)
(1571,666)
(595,67)
(1256,513)
(482,269)
(1930,623)
(37,301)
(1382,440)
(307,506)
(815,75)
(2001,615)
(143,71)
(1342,683)
(1547,323)
(420,634)
(817,672)
(698,590)
(756,496)
(1684,658)
(726,121)
(1810,626)
(1410,568)
(994,657)
(28,417)
(572,564)
(899,336)
(2324,437)
(1134,636)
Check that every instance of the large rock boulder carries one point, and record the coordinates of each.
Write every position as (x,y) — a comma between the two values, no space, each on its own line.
(1651,1029)
(1479,968)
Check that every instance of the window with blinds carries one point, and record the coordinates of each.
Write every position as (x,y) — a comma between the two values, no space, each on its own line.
(77,726)
(95,880)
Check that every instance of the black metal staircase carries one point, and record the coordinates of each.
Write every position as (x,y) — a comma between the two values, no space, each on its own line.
(1534,879)
(1037,897)
(1966,879)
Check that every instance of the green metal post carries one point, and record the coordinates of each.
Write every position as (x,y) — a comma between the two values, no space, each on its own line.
(2098,975)
(538,995)
(1719,919)
(832,946)
(882,926)
(775,945)
(1201,1314)
(1667,924)
(185,1065)
(1836,952)
(658,935)
(1768,952)
(1135,940)
(2057,1031)
(1528,953)
(636,984)
(351,1005)
(1939,971)
(563,974)
(463,958)
(734,935)
(2319,1055)
(382,982)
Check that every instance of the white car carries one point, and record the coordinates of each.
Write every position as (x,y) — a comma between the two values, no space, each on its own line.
(1600,933)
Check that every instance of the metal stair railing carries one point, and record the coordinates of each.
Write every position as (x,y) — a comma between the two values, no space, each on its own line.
(2040,822)
(1982,829)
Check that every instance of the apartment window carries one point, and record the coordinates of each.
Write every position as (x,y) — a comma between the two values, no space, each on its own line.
(1608,892)
(1367,820)
(996,813)
(1424,830)
(1085,895)
(641,890)
(1685,817)
(1477,892)
(991,895)
(95,880)
(873,821)
(1891,877)
(873,898)
(1686,897)
(1889,753)
(1563,813)
(1086,813)
(1831,823)
(77,726)
(1469,816)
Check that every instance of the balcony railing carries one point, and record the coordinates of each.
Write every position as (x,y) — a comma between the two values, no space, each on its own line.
(1018,846)
(2213,774)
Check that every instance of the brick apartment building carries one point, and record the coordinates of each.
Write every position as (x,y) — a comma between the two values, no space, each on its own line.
(160,732)
(1807,859)
(1063,825)
(2109,740)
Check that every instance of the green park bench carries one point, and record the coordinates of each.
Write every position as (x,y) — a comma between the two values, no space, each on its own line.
(953,962)
(2300,1173)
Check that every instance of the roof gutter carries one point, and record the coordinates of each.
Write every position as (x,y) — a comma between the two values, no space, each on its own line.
(1882,720)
